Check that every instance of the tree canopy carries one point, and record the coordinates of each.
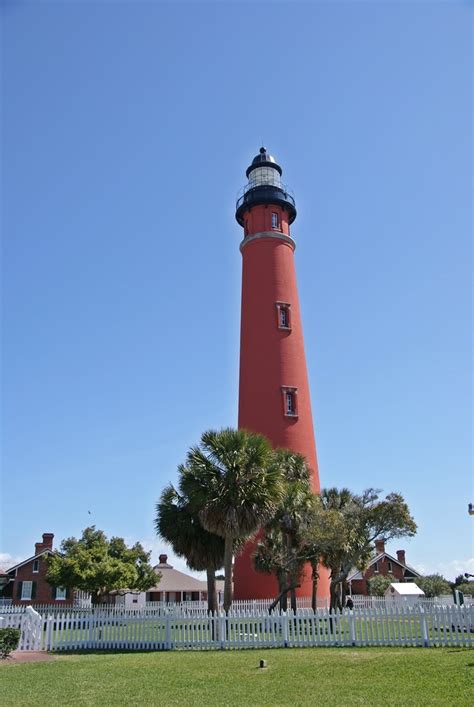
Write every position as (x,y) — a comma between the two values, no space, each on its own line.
(282,549)
(349,524)
(466,588)
(99,566)
(179,524)
(379,583)
(234,485)
(434,585)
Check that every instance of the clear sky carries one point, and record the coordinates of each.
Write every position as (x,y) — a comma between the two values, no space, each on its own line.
(126,131)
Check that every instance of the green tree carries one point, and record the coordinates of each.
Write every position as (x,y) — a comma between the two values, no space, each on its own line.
(282,548)
(433,585)
(466,588)
(177,524)
(353,523)
(460,579)
(379,583)
(341,522)
(99,566)
(234,486)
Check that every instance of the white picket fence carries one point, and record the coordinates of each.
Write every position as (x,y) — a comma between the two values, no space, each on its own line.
(199,608)
(31,625)
(372,602)
(111,630)
(159,608)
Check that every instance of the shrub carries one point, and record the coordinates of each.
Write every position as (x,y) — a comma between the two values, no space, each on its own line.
(379,583)
(9,640)
(433,585)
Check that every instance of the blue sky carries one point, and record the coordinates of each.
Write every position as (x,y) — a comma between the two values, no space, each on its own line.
(126,131)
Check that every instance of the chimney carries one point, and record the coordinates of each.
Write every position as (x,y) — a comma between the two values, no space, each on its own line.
(47,543)
(401,557)
(379,546)
(163,559)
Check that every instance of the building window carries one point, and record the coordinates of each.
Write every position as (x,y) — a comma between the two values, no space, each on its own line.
(390,566)
(283,313)
(275,221)
(290,407)
(36,565)
(376,567)
(60,593)
(26,590)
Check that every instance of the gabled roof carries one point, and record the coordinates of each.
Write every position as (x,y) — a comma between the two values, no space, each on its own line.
(357,574)
(404,589)
(175,581)
(47,551)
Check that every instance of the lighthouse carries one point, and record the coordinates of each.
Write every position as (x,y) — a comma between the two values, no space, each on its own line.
(274,397)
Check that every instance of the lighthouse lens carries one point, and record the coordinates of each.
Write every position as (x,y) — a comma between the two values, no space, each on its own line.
(264,176)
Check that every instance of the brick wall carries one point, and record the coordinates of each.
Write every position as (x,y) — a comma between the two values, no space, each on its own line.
(43,592)
(359,586)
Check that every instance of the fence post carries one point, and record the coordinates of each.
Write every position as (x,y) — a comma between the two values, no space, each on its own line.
(424,628)
(352,628)
(49,633)
(168,632)
(223,629)
(284,628)
(91,631)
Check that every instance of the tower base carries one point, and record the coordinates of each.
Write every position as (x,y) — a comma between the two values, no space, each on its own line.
(258,585)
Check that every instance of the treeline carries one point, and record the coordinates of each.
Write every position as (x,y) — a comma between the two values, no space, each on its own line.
(234,485)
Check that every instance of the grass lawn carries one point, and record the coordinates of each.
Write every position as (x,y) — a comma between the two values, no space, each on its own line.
(310,676)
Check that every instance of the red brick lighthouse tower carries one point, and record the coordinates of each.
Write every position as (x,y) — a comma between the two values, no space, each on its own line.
(274,395)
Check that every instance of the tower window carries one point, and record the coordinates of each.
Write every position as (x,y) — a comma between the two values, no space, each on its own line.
(283,314)
(290,401)
(275,221)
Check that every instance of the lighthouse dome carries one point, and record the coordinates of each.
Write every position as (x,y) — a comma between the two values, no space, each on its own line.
(263,159)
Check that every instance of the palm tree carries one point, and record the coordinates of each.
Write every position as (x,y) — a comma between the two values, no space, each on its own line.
(341,510)
(176,523)
(283,547)
(235,486)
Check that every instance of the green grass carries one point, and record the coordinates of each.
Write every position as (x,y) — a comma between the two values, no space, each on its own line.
(311,676)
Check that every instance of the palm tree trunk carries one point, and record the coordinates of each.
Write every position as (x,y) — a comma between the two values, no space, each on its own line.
(344,592)
(228,552)
(334,595)
(314,588)
(293,598)
(282,591)
(211,590)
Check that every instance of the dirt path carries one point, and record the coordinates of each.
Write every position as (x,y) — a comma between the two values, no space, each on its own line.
(18,657)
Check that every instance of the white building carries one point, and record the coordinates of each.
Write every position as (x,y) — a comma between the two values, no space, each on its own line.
(174,586)
(406,593)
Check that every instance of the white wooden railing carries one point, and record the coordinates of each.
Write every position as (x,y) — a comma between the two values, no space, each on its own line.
(369,602)
(31,625)
(397,626)
(199,608)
